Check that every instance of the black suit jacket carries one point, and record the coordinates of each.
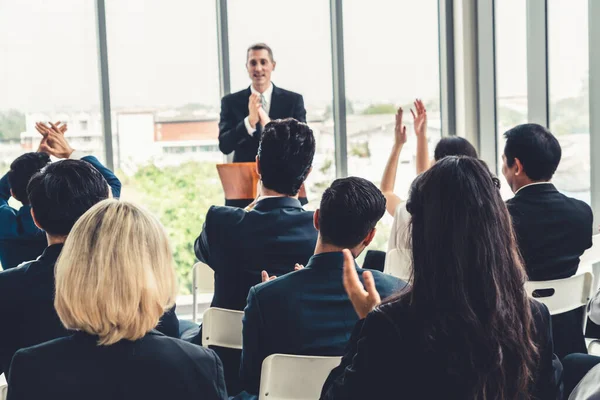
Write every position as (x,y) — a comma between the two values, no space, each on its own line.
(27,314)
(153,367)
(553,231)
(306,312)
(387,358)
(233,135)
(239,244)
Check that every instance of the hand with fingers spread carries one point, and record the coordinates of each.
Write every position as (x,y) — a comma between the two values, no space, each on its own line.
(298,267)
(265,276)
(253,109)
(54,142)
(38,126)
(363,298)
(399,130)
(420,118)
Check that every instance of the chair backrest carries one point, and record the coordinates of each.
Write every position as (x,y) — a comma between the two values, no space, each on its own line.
(3,387)
(203,281)
(221,327)
(291,377)
(397,264)
(568,294)
(592,255)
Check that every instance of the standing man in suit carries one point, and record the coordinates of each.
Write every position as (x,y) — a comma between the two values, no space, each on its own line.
(308,311)
(552,230)
(244,114)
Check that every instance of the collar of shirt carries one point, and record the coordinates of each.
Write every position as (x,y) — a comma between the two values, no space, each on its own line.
(531,184)
(267,95)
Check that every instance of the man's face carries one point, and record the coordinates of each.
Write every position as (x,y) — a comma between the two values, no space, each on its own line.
(259,67)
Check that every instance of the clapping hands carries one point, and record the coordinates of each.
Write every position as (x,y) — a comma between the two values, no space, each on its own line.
(53,140)
(363,298)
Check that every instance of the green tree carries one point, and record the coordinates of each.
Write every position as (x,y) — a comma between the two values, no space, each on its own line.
(386,108)
(12,123)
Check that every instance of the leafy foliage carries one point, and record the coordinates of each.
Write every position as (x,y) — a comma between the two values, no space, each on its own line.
(12,123)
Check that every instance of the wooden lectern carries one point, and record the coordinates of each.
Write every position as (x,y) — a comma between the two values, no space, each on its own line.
(239,181)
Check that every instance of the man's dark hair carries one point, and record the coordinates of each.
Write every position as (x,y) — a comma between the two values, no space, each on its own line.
(454,146)
(350,208)
(21,171)
(260,46)
(285,153)
(536,148)
(62,192)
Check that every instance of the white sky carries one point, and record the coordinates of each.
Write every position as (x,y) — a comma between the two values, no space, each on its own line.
(165,52)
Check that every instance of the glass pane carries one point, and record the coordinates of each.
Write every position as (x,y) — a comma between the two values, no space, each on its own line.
(391,58)
(511,71)
(164,86)
(301,43)
(569,93)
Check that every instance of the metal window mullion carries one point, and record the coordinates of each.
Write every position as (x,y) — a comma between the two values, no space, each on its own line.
(339,88)
(537,62)
(223,48)
(104,83)
(446,64)
(594,92)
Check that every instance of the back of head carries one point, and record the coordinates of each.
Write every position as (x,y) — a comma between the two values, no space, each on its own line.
(21,171)
(62,192)
(468,280)
(285,153)
(350,208)
(115,276)
(454,146)
(536,148)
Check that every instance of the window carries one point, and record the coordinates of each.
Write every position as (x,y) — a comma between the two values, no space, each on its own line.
(511,71)
(386,67)
(164,85)
(569,93)
(299,34)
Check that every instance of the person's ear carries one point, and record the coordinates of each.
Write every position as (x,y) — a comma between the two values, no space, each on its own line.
(274,63)
(519,167)
(316,219)
(35,220)
(369,238)
(13,194)
(257,165)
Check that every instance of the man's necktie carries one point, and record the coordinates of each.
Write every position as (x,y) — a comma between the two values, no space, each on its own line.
(263,102)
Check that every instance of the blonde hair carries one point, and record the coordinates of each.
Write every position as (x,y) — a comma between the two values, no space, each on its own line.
(115,276)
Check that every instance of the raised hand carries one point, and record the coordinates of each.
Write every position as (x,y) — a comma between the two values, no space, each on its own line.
(265,276)
(363,298)
(264,117)
(298,267)
(54,142)
(420,118)
(253,107)
(399,130)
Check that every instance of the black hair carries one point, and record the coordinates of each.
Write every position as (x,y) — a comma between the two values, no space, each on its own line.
(536,148)
(285,153)
(454,146)
(21,171)
(62,192)
(350,208)
(468,280)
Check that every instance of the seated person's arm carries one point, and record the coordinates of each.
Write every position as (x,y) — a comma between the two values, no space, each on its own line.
(111,178)
(252,357)
(4,190)
(388,181)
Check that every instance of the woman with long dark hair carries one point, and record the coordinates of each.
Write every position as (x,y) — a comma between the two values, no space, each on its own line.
(465,328)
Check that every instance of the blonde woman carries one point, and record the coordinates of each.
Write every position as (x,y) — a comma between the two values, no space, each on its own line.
(114,280)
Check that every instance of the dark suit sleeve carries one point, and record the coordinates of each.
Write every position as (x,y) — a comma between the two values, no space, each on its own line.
(299,111)
(252,358)
(4,190)
(201,245)
(8,216)
(19,379)
(169,324)
(548,382)
(232,133)
(219,378)
(111,178)
(365,371)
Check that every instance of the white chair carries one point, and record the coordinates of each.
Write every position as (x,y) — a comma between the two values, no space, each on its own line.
(590,261)
(397,264)
(569,293)
(221,327)
(203,281)
(3,387)
(291,377)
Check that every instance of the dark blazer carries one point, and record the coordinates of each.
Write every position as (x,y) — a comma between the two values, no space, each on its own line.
(153,367)
(553,231)
(20,239)
(233,135)
(27,314)
(387,358)
(239,244)
(306,312)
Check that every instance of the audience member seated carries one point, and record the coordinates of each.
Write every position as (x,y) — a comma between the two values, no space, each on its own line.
(114,280)
(308,312)
(396,207)
(465,328)
(276,233)
(59,194)
(553,230)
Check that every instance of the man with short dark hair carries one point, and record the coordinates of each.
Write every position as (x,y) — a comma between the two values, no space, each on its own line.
(552,230)
(308,312)
(244,114)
